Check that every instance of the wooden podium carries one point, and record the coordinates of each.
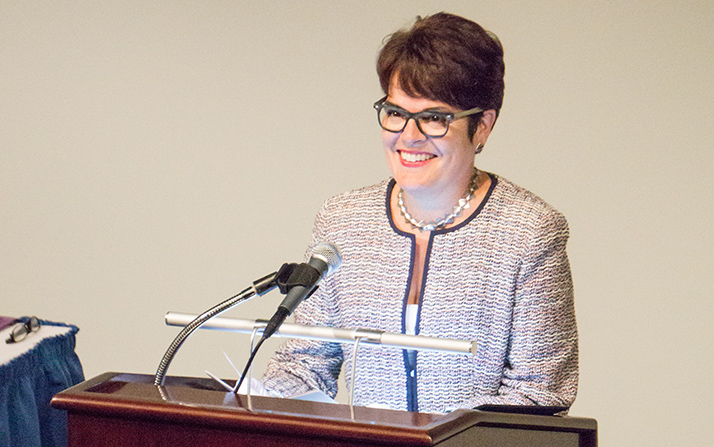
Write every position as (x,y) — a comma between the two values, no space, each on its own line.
(122,410)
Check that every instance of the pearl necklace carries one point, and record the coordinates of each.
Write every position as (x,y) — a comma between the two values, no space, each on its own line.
(463,204)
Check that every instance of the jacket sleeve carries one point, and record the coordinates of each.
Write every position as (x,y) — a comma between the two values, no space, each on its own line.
(542,360)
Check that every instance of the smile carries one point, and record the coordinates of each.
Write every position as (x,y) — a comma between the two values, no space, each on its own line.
(411,157)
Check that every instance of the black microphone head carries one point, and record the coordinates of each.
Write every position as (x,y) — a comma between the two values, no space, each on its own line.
(327,253)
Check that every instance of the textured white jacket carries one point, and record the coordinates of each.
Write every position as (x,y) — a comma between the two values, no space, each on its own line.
(501,278)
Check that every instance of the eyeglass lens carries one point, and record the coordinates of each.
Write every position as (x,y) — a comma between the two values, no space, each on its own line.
(431,124)
(20,331)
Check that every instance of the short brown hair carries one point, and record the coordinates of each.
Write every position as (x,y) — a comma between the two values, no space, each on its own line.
(446,58)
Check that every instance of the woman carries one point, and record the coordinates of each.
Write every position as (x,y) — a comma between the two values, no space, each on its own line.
(442,249)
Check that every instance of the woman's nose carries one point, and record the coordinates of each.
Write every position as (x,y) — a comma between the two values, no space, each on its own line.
(411,132)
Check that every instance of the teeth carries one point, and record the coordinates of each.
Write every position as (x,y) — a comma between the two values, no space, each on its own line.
(413,158)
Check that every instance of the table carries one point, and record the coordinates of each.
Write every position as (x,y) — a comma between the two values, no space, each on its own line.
(31,372)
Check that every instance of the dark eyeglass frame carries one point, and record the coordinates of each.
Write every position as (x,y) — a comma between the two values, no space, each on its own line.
(20,330)
(448,117)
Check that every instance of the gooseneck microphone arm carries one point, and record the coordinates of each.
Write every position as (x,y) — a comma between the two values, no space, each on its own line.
(298,281)
(259,287)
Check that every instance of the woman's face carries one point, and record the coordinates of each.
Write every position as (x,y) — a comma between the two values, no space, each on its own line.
(433,166)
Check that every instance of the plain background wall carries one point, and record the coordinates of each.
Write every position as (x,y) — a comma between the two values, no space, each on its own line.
(161,155)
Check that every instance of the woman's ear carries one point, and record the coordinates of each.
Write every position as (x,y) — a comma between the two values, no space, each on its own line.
(488,118)
(485,125)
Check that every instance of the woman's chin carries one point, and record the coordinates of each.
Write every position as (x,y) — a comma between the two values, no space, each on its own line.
(414,185)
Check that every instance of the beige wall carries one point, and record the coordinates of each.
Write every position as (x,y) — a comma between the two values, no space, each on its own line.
(161,155)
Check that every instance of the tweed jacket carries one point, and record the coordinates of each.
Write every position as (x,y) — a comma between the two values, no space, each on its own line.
(501,278)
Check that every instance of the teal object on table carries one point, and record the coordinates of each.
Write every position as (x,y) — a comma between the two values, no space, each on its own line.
(27,384)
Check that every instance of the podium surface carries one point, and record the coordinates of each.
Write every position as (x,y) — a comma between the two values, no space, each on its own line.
(116,409)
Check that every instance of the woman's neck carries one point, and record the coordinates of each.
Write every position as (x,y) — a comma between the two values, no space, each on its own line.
(429,206)
(433,202)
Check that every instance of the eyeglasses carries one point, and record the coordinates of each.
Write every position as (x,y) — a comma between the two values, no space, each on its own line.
(20,331)
(432,124)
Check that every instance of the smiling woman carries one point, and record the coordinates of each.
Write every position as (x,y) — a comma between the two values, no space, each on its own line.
(441,249)
(433,172)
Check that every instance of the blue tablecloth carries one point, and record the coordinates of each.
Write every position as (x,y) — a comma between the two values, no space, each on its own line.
(27,384)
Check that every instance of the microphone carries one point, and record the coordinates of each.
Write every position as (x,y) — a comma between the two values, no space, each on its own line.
(324,259)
